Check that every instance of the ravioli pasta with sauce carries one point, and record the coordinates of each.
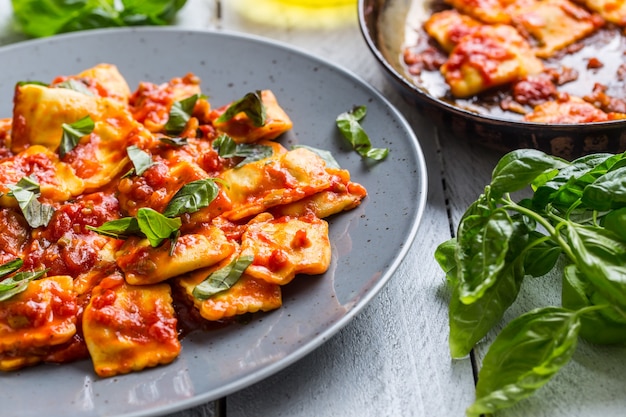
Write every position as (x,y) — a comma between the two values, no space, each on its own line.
(114,203)
(507,54)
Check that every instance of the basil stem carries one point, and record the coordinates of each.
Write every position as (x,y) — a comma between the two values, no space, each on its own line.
(141,159)
(72,133)
(350,127)
(251,104)
(222,279)
(227,148)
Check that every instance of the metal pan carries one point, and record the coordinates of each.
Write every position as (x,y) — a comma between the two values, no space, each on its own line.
(387,26)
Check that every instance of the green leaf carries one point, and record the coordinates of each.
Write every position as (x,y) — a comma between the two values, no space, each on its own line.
(524,356)
(141,159)
(75,85)
(604,326)
(41,18)
(250,152)
(520,168)
(251,104)
(176,142)
(119,228)
(483,243)
(445,255)
(180,113)
(192,197)
(607,192)
(222,279)
(350,127)
(327,156)
(27,192)
(72,133)
(600,256)
(155,226)
(18,283)
(10,267)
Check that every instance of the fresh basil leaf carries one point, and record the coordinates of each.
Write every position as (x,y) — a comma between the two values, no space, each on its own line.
(600,256)
(483,243)
(18,283)
(227,148)
(10,267)
(176,142)
(40,18)
(180,113)
(141,159)
(542,257)
(445,255)
(519,168)
(607,192)
(350,127)
(327,156)
(72,133)
(75,85)
(118,229)
(251,104)
(27,192)
(222,279)
(605,326)
(469,323)
(155,226)
(192,197)
(526,354)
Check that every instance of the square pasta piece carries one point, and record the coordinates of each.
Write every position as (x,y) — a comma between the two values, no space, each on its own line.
(247,295)
(142,264)
(269,182)
(243,130)
(554,24)
(568,110)
(488,11)
(490,56)
(128,328)
(448,27)
(613,11)
(35,320)
(286,246)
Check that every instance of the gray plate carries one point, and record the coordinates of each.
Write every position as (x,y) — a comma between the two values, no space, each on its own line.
(368,243)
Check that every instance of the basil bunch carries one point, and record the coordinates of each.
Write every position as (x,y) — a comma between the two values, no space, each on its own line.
(48,17)
(577,214)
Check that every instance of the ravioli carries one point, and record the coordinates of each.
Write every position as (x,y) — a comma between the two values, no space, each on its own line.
(129,328)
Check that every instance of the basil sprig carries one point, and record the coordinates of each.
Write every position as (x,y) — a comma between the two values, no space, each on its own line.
(227,148)
(180,113)
(192,197)
(222,279)
(18,282)
(148,223)
(141,159)
(349,124)
(73,132)
(27,192)
(251,104)
(572,226)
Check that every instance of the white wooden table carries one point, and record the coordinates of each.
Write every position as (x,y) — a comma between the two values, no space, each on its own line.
(392,359)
